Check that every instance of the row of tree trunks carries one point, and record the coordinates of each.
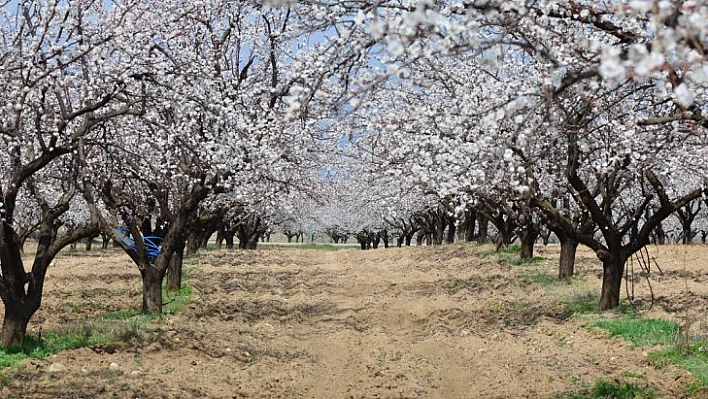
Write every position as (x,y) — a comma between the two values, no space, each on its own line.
(372,239)
(225,236)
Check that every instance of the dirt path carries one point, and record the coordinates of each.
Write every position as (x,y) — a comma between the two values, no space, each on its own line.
(398,323)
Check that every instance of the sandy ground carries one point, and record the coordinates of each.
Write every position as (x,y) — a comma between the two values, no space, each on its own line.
(444,322)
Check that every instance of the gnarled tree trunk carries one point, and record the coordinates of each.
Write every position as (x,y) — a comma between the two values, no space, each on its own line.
(152,289)
(528,236)
(14,327)
(483,231)
(613,269)
(566,267)
(174,270)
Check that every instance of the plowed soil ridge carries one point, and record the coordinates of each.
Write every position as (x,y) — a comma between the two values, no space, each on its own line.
(444,322)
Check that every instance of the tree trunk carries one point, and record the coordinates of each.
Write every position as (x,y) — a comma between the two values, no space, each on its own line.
(253,240)
(362,244)
(439,236)
(483,232)
(501,244)
(14,327)
(470,221)
(660,234)
(193,243)
(152,290)
(419,239)
(527,248)
(528,240)
(566,267)
(174,270)
(687,234)
(229,238)
(219,239)
(21,291)
(613,269)
(375,242)
(451,233)
(105,240)
(204,238)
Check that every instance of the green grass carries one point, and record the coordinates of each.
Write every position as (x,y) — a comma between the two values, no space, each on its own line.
(78,335)
(641,332)
(513,249)
(112,327)
(588,303)
(511,258)
(615,390)
(685,352)
(692,357)
(174,301)
(579,304)
(539,274)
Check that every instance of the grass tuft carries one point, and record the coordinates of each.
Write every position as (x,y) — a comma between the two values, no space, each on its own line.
(539,275)
(579,304)
(513,249)
(515,260)
(641,332)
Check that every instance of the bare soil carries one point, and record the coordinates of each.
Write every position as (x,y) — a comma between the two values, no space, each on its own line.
(443,322)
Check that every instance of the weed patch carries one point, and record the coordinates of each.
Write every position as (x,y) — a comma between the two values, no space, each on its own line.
(540,275)
(692,357)
(579,304)
(514,259)
(513,249)
(174,301)
(641,332)
(617,390)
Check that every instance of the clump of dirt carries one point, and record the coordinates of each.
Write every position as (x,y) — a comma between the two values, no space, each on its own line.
(440,322)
